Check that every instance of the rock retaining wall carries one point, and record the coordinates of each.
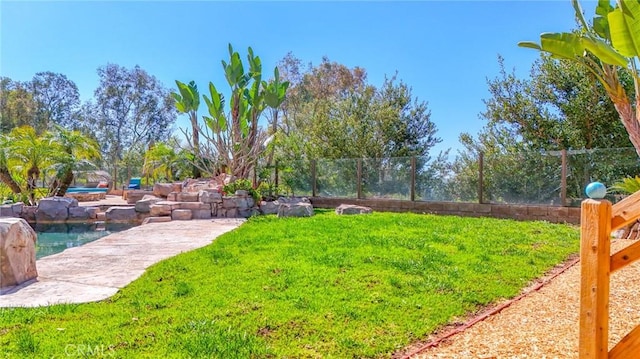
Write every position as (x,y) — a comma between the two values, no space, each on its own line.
(519,212)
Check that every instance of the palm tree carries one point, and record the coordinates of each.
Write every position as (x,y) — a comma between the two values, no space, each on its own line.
(162,161)
(33,152)
(5,174)
(73,150)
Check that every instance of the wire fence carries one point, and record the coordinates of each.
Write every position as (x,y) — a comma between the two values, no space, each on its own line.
(551,178)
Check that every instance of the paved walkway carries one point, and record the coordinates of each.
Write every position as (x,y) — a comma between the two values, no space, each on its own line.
(95,271)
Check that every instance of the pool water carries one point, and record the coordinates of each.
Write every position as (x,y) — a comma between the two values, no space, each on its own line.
(55,238)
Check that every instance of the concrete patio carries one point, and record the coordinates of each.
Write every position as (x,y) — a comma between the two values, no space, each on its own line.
(97,270)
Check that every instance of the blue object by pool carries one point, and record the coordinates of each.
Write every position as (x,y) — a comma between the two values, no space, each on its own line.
(85,190)
(595,190)
(134,183)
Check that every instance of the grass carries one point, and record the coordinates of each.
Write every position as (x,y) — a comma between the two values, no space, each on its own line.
(319,287)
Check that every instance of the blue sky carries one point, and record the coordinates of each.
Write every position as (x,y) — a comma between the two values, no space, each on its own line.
(445,50)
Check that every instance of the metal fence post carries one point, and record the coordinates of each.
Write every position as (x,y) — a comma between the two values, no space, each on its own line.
(359,178)
(413,178)
(313,179)
(563,179)
(481,177)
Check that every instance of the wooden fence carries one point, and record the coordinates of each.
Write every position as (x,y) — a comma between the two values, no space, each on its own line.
(598,219)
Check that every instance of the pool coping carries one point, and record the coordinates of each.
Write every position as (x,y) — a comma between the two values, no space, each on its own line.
(97,270)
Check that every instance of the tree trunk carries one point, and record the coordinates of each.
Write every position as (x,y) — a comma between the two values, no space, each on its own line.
(67,178)
(6,178)
(630,123)
(32,182)
(193,116)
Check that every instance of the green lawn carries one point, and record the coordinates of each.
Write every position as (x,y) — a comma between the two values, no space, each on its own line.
(319,287)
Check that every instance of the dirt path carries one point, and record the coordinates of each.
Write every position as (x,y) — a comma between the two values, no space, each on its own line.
(544,323)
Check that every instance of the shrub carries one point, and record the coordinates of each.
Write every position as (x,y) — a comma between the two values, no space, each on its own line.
(243,185)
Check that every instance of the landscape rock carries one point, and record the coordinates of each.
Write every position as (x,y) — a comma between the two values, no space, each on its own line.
(163,189)
(17,252)
(299,209)
(193,205)
(249,212)
(78,213)
(227,213)
(293,200)
(143,205)
(195,186)
(11,210)
(206,196)
(121,214)
(135,195)
(242,193)
(201,214)
(181,215)
(29,213)
(173,196)
(163,208)
(352,209)
(156,220)
(234,202)
(54,208)
(270,207)
(187,197)
(93,212)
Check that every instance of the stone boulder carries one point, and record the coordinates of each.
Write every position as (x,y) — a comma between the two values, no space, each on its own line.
(209,196)
(249,212)
(17,252)
(294,200)
(162,189)
(163,208)
(299,209)
(270,207)
(135,195)
(54,209)
(29,213)
(181,215)
(121,214)
(352,209)
(11,210)
(195,186)
(83,213)
(187,197)
(144,205)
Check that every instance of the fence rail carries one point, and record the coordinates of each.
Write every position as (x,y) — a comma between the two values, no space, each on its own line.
(599,218)
(554,178)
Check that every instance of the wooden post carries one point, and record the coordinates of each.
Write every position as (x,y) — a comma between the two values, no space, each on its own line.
(594,278)
(314,191)
(563,179)
(359,178)
(481,177)
(413,178)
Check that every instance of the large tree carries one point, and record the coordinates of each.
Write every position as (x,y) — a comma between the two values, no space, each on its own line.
(132,110)
(17,104)
(340,115)
(332,112)
(57,100)
(608,48)
(561,106)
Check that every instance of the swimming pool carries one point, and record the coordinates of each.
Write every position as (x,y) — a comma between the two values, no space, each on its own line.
(55,238)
